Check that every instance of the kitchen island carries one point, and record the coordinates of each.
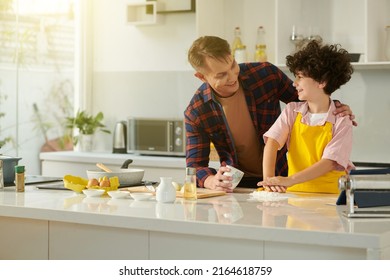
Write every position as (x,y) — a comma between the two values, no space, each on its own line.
(60,224)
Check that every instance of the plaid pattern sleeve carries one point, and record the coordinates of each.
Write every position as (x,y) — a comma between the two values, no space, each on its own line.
(264,85)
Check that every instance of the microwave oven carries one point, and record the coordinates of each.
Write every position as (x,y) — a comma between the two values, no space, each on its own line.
(156,136)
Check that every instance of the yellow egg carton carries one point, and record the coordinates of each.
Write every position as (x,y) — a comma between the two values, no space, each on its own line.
(78,184)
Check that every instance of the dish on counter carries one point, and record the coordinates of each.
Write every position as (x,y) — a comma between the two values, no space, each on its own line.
(118,194)
(141,196)
(126,176)
(93,192)
(78,184)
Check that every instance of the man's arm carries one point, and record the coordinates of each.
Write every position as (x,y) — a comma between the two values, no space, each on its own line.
(344,110)
(197,147)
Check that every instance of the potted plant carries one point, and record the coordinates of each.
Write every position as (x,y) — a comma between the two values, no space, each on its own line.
(87,125)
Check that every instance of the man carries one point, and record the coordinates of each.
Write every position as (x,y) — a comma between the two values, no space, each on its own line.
(233,108)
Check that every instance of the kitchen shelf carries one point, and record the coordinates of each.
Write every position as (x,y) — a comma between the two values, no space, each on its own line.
(358,25)
(356,65)
(141,13)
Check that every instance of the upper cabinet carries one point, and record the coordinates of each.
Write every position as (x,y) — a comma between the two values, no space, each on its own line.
(141,13)
(358,25)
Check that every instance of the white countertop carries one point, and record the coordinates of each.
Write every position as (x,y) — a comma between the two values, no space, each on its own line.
(300,218)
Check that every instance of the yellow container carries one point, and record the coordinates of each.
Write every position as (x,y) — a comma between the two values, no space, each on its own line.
(78,184)
(213,153)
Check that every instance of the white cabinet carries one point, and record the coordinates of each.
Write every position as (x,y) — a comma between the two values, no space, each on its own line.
(23,239)
(358,25)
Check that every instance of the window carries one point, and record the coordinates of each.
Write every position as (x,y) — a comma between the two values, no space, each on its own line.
(37,69)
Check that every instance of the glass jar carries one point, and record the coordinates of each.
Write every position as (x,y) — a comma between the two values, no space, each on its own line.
(19,178)
(190,184)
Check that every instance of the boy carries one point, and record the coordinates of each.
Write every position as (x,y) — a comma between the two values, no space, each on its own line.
(319,143)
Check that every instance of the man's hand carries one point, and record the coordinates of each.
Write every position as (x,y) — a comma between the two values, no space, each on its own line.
(219,182)
(344,110)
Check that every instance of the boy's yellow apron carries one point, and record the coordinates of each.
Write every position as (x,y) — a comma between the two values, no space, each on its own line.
(307,144)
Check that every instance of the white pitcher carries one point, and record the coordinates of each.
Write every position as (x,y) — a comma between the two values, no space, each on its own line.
(166,192)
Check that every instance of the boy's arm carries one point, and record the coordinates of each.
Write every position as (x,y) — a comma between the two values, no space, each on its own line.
(269,158)
(280,183)
(316,170)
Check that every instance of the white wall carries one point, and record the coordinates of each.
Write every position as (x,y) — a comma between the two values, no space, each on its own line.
(368,95)
(140,70)
(118,46)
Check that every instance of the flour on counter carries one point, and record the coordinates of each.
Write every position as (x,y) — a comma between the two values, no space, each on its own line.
(269,196)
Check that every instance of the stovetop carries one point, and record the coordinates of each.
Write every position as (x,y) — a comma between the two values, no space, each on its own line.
(36,179)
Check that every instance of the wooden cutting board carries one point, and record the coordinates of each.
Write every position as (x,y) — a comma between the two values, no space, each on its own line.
(204,193)
(201,193)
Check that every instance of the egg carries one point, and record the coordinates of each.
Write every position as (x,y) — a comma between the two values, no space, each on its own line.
(92,183)
(105,183)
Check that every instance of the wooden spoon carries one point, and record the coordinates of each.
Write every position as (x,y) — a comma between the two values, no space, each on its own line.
(103,167)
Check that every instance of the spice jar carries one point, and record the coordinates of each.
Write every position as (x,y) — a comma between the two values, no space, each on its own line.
(19,178)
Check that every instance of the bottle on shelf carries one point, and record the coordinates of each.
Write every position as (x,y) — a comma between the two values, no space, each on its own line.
(261,46)
(237,43)
(240,54)
(238,48)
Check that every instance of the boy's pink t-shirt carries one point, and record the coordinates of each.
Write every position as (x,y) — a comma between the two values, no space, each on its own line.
(338,149)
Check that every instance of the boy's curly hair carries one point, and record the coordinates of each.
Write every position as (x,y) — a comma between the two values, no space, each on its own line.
(322,63)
